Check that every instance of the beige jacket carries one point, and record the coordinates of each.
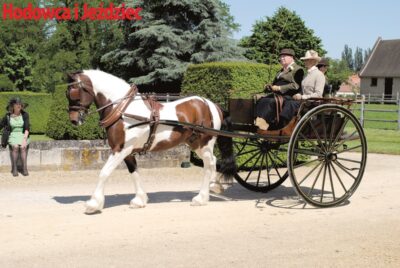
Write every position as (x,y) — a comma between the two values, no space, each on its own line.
(313,84)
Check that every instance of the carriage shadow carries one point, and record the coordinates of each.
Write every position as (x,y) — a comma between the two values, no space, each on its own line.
(281,197)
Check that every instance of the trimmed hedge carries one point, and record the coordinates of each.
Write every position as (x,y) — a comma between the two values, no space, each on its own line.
(59,126)
(38,108)
(220,81)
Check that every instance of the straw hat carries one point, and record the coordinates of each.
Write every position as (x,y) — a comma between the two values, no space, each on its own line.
(311,55)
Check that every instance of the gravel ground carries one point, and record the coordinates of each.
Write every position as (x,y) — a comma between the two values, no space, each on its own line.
(42,223)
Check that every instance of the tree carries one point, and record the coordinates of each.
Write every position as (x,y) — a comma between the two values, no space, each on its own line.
(367,53)
(347,56)
(156,50)
(285,29)
(18,67)
(358,59)
(338,73)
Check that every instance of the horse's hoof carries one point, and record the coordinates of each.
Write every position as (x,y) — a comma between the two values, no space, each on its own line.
(199,200)
(217,188)
(92,207)
(138,202)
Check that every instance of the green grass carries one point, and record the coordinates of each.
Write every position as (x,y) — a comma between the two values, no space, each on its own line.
(383,141)
(35,137)
(378,115)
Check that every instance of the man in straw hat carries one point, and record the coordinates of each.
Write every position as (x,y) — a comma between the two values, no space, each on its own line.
(286,84)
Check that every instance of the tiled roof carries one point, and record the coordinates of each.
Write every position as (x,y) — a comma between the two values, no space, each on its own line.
(384,60)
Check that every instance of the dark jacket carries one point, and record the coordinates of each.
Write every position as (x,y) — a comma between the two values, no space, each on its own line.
(289,80)
(25,116)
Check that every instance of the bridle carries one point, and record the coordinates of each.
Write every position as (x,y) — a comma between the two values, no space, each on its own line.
(74,94)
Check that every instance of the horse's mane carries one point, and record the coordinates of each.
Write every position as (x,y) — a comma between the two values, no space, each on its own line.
(105,80)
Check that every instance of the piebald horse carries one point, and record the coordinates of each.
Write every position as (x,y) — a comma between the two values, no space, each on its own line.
(131,123)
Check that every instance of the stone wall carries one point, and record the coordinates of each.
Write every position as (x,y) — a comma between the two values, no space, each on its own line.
(77,155)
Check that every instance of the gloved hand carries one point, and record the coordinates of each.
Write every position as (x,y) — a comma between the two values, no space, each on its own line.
(275,88)
(297,96)
(267,87)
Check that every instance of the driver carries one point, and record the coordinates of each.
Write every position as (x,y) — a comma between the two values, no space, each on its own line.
(286,84)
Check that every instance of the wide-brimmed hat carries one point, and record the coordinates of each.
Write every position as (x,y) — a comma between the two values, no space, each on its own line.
(311,55)
(287,51)
(15,100)
(323,62)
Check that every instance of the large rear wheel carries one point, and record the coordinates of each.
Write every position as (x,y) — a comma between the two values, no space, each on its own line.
(327,155)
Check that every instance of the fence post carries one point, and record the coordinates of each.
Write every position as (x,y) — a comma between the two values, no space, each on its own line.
(362,110)
(398,114)
(369,98)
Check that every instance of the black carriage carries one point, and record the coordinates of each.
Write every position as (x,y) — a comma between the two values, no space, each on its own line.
(323,150)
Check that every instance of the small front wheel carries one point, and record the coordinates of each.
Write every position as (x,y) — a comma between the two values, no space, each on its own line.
(261,164)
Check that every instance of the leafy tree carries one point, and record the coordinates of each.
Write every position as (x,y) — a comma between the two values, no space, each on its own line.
(156,50)
(285,29)
(347,56)
(18,67)
(338,73)
(6,84)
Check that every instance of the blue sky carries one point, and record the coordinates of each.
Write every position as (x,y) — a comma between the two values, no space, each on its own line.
(336,22)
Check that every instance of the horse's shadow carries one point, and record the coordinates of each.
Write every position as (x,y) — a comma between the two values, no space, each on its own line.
(281,197)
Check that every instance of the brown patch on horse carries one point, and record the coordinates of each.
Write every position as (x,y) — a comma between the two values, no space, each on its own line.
(193,111)
(115,132)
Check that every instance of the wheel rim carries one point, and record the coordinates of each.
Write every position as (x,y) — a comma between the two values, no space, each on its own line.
(261,164)
(327,156)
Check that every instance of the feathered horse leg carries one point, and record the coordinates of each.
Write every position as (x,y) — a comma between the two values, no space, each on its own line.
(210,161)
(96,202)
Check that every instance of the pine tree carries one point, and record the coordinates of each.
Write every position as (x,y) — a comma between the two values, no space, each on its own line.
(285,29)
(157,49)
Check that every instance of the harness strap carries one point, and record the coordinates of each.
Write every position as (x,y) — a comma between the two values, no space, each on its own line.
(153,121)
(279,105)
(118,110)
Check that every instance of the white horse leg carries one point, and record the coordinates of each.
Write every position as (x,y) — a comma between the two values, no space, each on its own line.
(96,202)
(140,200)
(209,160)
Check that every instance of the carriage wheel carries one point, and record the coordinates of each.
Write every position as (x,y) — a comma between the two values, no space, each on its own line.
(261,164)
(327,155)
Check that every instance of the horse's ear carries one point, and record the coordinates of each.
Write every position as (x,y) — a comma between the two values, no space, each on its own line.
(70,77)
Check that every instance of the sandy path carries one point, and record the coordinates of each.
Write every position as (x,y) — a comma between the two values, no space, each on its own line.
(42,223)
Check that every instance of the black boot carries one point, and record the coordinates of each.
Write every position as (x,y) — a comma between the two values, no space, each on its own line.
(14,159)
(24,158)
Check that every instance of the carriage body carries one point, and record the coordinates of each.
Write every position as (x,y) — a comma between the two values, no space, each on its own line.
(322,150)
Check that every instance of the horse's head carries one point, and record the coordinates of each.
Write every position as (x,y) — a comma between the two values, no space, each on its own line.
(80,96)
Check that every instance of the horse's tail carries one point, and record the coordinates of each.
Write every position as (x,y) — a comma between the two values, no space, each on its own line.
(227,163)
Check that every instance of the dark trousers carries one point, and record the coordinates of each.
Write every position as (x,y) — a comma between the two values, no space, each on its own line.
(266,109)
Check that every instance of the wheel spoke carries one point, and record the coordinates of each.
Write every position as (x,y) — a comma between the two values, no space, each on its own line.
(331,180)
(248,152)
(340,132)
(323,183)
(260,169)
(315,181)
(317,136)
(344,169)
(340,180)
(333,126)
(309,173)
(350,149)
(311,142)
(307,152)
(349,160)
(248,160)
(306,163)
(252,168)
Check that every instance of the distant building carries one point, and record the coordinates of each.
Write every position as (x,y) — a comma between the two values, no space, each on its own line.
(381,72)
(351,87)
